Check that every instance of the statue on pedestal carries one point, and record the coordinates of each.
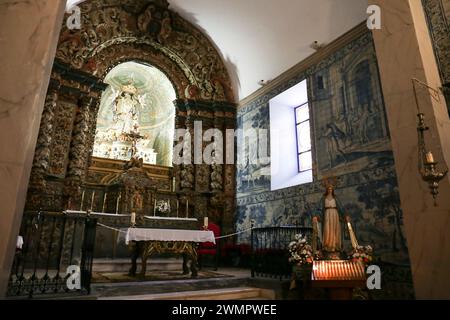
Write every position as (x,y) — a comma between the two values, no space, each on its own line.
(331,216)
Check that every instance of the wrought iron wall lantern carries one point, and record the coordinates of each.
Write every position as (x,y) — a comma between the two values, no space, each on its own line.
(427,163)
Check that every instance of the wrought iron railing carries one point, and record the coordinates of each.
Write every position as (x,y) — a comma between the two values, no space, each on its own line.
(270,254)
(53,244)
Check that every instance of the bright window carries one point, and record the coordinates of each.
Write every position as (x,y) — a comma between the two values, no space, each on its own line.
(290,138)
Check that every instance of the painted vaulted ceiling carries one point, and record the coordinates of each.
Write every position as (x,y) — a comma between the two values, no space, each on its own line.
(260,39)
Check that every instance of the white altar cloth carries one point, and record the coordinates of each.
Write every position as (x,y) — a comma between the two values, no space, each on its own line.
(144,234)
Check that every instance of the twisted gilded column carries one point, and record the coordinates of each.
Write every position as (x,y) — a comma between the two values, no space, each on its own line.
(42,154)
(187,170)
(216,176)
(79,148)
(93,114)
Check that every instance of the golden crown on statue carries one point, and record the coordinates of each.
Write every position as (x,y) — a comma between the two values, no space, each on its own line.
(330,182)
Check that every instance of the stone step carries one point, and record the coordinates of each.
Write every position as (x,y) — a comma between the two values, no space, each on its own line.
(239,293)
(123,265)
(106,290)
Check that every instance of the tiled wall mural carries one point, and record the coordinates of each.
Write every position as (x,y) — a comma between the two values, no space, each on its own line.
(437,13)
(351,142)
(253,177)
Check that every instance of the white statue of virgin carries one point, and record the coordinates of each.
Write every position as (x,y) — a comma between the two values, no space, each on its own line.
(331,218)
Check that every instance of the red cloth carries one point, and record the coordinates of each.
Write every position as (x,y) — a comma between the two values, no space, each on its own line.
(209,247)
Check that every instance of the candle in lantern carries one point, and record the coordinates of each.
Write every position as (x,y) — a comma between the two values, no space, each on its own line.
(92,200)
(82,200)
(104,201)
(133,218)
(205,222)
(430,157)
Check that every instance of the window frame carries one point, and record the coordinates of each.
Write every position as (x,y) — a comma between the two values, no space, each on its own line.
(297,124)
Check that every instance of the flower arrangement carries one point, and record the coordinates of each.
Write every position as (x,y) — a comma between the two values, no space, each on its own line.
(163,206)
(362,254)
(301,251)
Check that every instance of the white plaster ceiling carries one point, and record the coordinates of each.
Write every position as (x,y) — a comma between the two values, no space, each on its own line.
(260,39)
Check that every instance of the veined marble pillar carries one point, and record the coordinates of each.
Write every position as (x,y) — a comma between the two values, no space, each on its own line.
(29,32)
(404,51)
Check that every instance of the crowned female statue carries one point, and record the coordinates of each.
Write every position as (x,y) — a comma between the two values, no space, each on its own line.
(331,216)
(126,108)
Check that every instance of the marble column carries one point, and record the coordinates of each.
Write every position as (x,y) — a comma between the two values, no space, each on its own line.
(404,51)
(29,33)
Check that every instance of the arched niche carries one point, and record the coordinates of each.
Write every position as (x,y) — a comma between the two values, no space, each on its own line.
(139,98)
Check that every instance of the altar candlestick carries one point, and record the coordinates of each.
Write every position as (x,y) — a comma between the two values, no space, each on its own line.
(187,208)
(117,203)
(92,200)
(133,218)
(173,184)
(82,200)
(205,223)
(104,201)
(178,206)
(154,209)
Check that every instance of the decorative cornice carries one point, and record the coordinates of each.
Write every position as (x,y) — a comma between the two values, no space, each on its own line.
(302,66)
(78,76)
(345,181)
(208,106)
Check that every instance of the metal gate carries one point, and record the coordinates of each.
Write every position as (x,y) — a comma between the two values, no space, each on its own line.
(56,256)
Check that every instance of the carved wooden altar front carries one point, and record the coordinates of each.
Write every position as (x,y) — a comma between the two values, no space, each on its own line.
(146,249)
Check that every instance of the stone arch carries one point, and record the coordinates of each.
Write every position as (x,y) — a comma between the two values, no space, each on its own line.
(116,55)
(146,30)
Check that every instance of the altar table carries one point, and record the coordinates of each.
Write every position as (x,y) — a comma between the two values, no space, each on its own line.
(157,241)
